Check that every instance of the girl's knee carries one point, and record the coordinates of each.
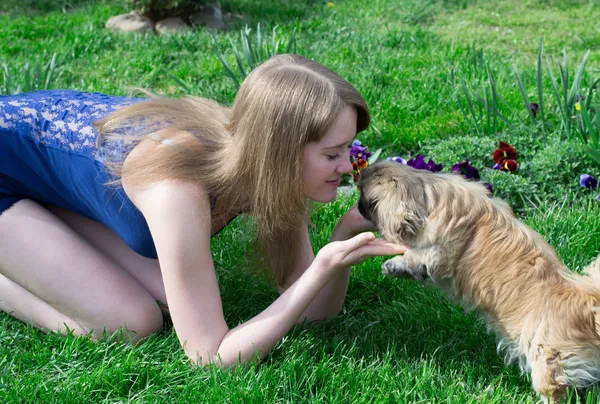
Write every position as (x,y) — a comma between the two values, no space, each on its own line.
(136,322)
(149,320)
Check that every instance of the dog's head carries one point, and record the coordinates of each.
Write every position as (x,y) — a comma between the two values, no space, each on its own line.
(393,197)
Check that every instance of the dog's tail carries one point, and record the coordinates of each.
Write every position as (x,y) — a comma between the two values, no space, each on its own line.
(593,272)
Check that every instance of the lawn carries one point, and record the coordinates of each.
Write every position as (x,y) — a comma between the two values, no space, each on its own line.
(419,65)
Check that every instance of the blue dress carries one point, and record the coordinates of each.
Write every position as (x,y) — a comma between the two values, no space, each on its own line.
(48,154)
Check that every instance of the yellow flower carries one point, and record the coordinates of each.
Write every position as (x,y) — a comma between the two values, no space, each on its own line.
(578,106)
(330,4)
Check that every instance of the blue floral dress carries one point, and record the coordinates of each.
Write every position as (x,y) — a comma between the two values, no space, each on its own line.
(48,154)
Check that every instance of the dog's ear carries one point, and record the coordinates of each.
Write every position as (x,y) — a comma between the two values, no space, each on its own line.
(401,208)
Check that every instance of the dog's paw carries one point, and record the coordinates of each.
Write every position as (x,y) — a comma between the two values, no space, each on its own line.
(397,268)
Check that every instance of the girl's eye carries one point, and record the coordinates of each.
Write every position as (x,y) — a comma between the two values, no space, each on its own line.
(333,157)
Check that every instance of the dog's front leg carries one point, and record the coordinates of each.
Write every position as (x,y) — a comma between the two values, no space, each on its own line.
(547,374)
(408,266)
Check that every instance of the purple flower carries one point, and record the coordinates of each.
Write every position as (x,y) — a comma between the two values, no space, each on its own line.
(397,159)
(466,170)
(419,163)
(358,151)
(588,182)
(597,197)
(489,188)
(496,166)
(534,109)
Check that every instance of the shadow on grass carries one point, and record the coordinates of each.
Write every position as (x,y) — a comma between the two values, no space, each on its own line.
(400,322)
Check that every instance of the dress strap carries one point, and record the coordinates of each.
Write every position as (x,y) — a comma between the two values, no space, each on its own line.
(159,138)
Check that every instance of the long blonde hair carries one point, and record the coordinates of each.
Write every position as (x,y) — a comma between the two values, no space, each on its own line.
(251,155)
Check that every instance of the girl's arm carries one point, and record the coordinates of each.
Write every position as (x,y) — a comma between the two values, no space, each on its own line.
(329,300)
(178,215)
(328,303)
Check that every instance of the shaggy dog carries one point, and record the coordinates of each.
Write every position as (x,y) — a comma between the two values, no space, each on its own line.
(472,247)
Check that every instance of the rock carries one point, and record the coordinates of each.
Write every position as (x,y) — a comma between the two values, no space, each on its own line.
(172,24)
(230,17)
(131,22)
(209,16)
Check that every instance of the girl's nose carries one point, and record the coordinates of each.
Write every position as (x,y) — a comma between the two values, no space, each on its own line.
(345,167)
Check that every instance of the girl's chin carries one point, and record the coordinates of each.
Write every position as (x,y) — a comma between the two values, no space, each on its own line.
(325,197)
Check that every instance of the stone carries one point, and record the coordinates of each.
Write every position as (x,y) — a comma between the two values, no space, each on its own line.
(209,16)
(172,24)
(131,22)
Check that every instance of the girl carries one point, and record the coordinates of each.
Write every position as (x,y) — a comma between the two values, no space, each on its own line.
(78,253)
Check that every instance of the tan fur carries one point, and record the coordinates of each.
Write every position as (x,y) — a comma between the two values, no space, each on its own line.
(473,247)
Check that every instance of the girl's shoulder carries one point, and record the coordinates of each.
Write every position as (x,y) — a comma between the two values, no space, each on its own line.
(143,194)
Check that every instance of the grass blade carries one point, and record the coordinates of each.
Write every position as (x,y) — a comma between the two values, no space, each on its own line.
(487,110)
(184,86)
(247,48)
(470,105)
(556,94)
(574,92)
(26,78)
(594,84)
(593,136)
(217,51)
(540,86)
(494,96)
(238,59)
(455,93)
(259,44)
(594,154)
(274,43)
(50,71)
(523,93)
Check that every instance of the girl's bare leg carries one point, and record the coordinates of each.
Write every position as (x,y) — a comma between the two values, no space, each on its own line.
(51,277)
(145,270)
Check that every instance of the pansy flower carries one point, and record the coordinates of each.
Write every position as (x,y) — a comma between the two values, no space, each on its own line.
(397,159)
(489,188)
(507,165)
(534,108)
(419,163)
(358,151)
(588,182)
(503,152)
(357,167)
(578,100)
(359,156)
(505,157)
(466,170)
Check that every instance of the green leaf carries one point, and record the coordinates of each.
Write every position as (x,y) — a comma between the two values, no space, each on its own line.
(374,156)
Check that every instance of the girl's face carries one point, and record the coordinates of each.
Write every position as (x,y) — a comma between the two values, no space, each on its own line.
(326,160)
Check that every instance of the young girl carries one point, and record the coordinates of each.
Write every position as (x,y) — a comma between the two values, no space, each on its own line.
(78,252)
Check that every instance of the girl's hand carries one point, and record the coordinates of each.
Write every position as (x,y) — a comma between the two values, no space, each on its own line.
(342,254)
(351,224)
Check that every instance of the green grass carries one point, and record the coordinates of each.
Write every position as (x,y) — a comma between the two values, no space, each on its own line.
(395,341)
